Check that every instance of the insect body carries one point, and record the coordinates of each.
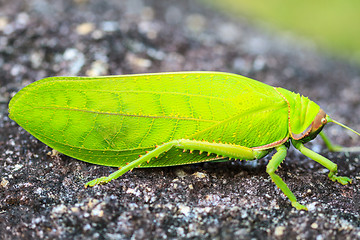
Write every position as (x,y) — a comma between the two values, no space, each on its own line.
(156,120)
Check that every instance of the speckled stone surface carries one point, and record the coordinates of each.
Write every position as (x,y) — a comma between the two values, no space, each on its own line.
(43,197)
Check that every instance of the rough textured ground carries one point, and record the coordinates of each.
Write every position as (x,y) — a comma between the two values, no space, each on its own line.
(43,197)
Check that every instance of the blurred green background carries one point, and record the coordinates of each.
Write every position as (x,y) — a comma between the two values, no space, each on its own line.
(333,24)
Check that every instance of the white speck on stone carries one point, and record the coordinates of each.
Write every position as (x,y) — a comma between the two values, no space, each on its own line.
(279,231)
(132,206)
(37,220)
(38,191)
(17,167)
(9,152)
(206,209)
(87,227)
(70,53)
(244,214)
(319,237)
(183,209)
(75,209)
(22,19)
(109,26)
(93,202)
(76,60)
(312,206)
(12,142)
(212,230)
(36,59)
(139,62)
(242,65)
(212,198)
(228,33)
(97,211)
(17,69)
(3,22)
(154,53)
(4,183)
(199,175)
(98,68)
(85,28)
(133,191)
(267,196)
(130,190)
(97,34)
(180,231)
(241,233)
(314,225)
(60,209)
(259,63)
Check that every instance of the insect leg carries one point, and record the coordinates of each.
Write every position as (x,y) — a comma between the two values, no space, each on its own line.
(272,166)
(226,150)
(336,148)
(154,153)
(323,161)
(222,149)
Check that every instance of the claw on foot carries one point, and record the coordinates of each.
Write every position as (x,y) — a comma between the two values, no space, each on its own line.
(97,181)
(342,180)
(298,206)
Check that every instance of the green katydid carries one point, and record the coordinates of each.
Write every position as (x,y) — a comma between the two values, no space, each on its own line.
(157,120)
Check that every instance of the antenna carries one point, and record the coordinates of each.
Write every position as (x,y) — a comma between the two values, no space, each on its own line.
(340,124)
(336,148)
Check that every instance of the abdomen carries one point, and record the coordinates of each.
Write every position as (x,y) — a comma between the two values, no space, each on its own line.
(122,116)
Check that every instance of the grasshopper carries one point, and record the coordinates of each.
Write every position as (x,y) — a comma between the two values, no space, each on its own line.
(167,119)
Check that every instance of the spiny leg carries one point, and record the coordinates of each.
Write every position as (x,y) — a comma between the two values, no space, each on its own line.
(226,150)
(272,166)
(337,148)
(323,161)
(147,157)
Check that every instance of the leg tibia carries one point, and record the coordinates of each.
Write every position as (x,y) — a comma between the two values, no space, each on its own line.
(151,154)
(221,149)
(226,150)
(323,161)
(272,166)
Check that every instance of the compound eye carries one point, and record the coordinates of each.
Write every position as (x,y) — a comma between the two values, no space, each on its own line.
(323,121)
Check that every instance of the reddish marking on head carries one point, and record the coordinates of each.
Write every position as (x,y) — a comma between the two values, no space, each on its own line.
(319,121)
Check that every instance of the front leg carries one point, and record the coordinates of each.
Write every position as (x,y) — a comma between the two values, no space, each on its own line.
(323,161)
(337,148)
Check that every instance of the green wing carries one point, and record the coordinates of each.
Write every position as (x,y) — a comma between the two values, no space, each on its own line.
(111,120)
